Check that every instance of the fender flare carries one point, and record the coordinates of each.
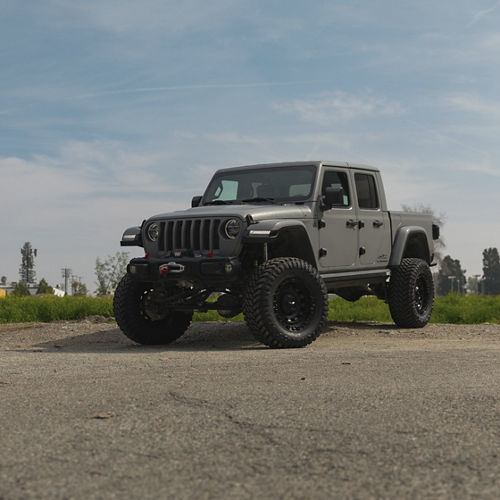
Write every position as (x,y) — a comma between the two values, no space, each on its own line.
(270,230)
(132,237)
(403,235)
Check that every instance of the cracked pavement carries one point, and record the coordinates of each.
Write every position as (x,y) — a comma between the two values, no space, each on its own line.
(366,411)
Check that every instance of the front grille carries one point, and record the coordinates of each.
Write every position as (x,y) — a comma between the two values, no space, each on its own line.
(190,234)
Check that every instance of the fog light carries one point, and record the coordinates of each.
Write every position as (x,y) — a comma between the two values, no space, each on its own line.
(228,268)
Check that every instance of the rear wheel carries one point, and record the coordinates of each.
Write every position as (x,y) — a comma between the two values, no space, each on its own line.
(411,293)
(141,317)
(286,303)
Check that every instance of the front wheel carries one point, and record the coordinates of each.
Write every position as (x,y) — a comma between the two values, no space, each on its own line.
(411,293)
(138,312)
(286,303)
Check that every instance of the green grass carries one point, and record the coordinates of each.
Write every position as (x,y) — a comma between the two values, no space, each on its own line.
(48,308)
(451,309)
(364,309)
(455,309)
(467,310)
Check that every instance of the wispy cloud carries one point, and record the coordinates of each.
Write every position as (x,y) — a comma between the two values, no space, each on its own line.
(329,107)
(483,168)
(490,43)
(481,14)
(202,86)
(129,16)
(82,173)
(473,103)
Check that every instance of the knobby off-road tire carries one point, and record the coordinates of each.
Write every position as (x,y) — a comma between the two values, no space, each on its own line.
(132,318)
(286,303)
(411,294)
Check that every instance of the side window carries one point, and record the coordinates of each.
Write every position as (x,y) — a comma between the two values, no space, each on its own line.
(335,179)
(366,191)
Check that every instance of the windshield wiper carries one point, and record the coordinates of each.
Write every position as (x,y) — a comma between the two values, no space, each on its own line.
(257,198)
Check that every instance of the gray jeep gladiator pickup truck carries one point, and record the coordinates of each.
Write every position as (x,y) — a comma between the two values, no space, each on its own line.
(272,241)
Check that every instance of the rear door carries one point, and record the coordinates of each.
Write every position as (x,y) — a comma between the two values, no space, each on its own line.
(373,222)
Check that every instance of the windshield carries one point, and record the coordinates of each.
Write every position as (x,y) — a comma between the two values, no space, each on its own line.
(272,184)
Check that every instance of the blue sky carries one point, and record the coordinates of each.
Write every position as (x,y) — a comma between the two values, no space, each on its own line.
(112,111)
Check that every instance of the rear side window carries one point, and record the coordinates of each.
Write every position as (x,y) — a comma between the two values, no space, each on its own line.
(366,191)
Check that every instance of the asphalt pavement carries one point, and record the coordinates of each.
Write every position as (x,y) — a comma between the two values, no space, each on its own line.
(366,411)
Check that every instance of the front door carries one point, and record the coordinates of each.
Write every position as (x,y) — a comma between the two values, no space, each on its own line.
(338,233)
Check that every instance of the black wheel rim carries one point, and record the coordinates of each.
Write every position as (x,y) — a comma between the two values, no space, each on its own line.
(293,305)
(152,306)
(422,295)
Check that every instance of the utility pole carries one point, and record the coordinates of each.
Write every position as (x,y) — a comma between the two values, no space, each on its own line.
(478,284)
(66,274)
(452,280)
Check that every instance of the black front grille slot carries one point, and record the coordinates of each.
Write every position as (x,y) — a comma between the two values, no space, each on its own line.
(196,240)
(161,239)
(205,234)
(186,234)
(169,241)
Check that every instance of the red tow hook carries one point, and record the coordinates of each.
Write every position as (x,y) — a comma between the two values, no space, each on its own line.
(171,267)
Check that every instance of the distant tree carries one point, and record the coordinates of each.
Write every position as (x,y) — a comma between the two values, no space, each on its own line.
(3,280)
(440,220)
(27,268)
(491,271)
(20,290)
(44,287)
(451,277)
(110,271)
(78,288)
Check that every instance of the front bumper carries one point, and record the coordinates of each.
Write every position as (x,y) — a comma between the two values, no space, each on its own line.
(205,270)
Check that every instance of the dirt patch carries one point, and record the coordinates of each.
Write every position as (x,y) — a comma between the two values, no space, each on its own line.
(22,336)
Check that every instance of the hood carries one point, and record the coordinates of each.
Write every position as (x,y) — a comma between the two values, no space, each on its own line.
(258,212)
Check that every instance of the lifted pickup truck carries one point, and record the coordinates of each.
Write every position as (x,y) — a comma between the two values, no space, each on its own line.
(272,241)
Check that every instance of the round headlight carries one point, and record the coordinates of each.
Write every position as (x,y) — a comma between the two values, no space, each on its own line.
(153,231)
(232,228)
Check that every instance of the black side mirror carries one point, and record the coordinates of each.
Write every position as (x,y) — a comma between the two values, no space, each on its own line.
(195,202)
(334,196)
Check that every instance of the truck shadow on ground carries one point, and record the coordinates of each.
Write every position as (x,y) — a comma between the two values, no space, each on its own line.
(199,337)
(217,336)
